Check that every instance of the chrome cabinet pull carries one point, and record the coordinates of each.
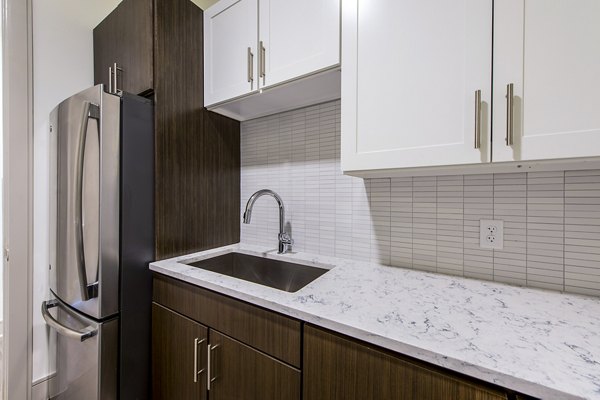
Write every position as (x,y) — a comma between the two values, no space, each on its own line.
(110,79)
(262,60)
(510,88)
(115,86)
(250,67)
(196,372)
(114,78)
(209,377)
(477,119)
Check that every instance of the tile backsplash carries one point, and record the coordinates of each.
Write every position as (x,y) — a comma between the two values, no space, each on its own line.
(551,219)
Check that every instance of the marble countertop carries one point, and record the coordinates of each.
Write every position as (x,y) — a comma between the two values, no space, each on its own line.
(542,343)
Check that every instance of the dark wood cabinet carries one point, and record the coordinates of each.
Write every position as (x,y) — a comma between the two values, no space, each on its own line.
(158,44)
(337,368)
(241,372)
(244,364)
(269,332)
(179,347)
(126,38)
(255,355)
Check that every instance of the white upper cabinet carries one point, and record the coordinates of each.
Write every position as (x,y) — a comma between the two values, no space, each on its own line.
(230,56)
(549,50)
(297,38)
(252,47)
(416,83)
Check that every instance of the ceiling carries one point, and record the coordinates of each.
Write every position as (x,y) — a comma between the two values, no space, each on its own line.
(90,13)
(85,13)
(204,4)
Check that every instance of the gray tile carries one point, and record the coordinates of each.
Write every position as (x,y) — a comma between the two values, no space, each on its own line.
(552,219)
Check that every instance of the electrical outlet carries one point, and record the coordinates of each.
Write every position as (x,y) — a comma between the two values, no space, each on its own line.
(491,234)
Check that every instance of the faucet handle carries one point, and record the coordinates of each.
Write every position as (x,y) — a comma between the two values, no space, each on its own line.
(286,238)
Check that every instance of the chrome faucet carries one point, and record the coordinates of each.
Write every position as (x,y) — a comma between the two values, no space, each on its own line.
(285,239)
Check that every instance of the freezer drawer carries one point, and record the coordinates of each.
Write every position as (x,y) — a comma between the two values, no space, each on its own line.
(87,351)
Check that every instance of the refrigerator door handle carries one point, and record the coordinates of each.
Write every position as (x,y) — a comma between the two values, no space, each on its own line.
(88,291)
(82,334)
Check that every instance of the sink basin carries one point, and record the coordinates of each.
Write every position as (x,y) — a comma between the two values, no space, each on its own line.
(277,274)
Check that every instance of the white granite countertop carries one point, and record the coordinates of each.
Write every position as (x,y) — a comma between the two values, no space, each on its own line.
(541,343)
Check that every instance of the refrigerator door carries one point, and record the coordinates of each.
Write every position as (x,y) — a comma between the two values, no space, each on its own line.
(84,202)
(86,357)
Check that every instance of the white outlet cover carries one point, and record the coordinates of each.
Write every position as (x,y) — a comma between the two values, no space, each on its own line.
(491,234)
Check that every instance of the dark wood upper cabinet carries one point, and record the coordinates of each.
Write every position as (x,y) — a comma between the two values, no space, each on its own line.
(159,46)
(179,347)
(126,37)
(336,368)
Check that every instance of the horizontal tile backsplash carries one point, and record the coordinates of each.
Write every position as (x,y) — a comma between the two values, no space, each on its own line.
(551,219)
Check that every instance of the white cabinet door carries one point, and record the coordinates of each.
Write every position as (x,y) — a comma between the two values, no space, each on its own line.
(550,51)
(230,44)
(410,73)
(298,37)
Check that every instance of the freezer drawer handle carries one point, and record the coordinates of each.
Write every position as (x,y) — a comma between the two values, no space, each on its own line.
(82,335)
(88,291)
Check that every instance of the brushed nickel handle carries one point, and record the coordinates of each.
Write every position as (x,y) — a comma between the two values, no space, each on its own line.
(477,119)
(196,372)
(209,376)
(110,78)
(262,58)
(82,334)
(510,90)
(250,67)
(116,70)
(114,85)
(88,290)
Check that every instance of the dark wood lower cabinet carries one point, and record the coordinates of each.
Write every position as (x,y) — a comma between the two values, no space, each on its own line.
(242,373)
(176,340)
(255,355)
(269,332)
(180,349)
(336,368)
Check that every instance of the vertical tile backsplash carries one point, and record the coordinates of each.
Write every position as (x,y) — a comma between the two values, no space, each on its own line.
(551,219)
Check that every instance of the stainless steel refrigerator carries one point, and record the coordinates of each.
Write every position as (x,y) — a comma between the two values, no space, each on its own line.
(101,241)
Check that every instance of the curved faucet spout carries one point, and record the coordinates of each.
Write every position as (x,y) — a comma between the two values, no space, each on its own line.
(285,239)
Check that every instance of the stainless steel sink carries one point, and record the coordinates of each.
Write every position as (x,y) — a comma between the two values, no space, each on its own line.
(277,274)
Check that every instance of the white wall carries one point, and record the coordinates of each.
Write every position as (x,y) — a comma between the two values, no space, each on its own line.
(1,186)
(62,66)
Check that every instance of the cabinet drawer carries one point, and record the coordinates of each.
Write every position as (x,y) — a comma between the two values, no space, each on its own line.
(336,368)
(274,334)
